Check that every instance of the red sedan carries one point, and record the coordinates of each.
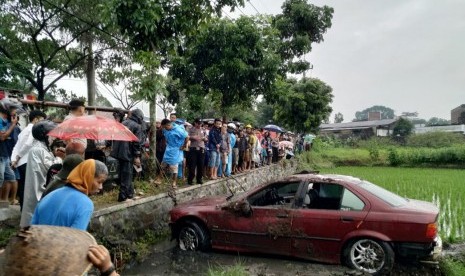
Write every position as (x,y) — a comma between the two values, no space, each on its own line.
(327,218)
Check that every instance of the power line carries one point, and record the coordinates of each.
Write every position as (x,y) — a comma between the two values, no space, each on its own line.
(86,22)
(248,1)
(241,11)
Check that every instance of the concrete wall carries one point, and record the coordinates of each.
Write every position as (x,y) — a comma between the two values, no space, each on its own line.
(122,223)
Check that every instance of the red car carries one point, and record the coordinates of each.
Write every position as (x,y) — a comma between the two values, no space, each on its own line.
(327,218)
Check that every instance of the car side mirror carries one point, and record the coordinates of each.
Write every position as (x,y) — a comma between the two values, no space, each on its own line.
(241,208)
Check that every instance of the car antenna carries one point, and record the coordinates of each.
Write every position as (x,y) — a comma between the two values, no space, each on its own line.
(230,190)
(238,182)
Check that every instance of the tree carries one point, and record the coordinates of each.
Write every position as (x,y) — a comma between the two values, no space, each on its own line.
(39,40)
(300,24)
(403,128)
(265,113)
(229,61)
(302,105)
(338,118)
(386,113)
(435,121)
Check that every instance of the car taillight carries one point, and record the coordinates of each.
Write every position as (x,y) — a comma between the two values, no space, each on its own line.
(431,230)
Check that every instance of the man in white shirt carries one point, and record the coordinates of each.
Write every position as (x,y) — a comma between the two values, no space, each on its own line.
(21,150)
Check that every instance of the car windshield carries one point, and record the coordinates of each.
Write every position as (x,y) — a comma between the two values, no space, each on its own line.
(383,194)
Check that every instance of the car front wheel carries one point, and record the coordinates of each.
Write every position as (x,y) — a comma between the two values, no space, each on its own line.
(371,256)
(193,237)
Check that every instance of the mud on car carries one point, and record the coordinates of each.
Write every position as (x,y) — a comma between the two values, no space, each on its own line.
(326,218)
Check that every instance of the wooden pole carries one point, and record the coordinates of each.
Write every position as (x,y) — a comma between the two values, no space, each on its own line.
(65,105)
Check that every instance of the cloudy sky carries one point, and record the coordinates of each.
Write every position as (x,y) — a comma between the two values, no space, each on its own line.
(408,55)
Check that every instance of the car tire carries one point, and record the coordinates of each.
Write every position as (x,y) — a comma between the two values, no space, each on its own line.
(193,237)
(370,256)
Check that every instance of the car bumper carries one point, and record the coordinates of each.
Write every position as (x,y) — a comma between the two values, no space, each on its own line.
(423,251)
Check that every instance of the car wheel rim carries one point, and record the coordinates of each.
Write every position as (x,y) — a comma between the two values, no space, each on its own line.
(367,255)
(188,239)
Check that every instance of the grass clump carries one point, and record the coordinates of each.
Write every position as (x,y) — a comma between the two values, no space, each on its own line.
(235,270)
(453,266)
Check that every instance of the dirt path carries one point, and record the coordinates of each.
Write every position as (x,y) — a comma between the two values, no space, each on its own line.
(167,260)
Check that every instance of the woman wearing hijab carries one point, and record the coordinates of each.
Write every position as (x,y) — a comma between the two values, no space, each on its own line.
(70,206)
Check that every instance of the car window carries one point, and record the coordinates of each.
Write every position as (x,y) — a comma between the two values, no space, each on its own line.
(350,202)
(385,195)
(275,194)
(323,196)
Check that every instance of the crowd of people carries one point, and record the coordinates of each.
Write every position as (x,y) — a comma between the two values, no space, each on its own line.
(52,179)
(212,149)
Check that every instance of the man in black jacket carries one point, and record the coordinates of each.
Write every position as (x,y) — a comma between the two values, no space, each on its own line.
(128,153)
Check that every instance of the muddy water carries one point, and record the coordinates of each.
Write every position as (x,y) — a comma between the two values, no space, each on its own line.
(166,259)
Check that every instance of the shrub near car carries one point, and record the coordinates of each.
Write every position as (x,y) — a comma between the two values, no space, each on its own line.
(326,218)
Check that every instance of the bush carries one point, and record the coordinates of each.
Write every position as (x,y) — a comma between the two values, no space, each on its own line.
(435,139)
(393,157)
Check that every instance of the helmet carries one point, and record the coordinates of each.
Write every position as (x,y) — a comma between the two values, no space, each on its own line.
(41,129)
(232,125)
(248,126)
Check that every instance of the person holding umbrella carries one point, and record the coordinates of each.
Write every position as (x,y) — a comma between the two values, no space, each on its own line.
(129,153)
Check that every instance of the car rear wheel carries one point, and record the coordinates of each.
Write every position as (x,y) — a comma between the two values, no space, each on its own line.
(193,237)
(371,256)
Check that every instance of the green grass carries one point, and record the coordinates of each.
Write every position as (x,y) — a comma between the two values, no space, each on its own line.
(444,187)
(453,266)
(236,270)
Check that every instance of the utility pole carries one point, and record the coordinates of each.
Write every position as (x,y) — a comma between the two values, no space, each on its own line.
(90,73)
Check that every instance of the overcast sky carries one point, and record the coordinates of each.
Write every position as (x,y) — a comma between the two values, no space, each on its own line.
(408,55)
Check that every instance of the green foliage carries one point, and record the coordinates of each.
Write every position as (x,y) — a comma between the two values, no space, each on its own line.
(302,105)
(435,121)
(161,25)
(6,232)
(265,113)
(393,157)
(403,128)
(228,60)
(436,139)
(42,39)
(386,113)
(453,266)
(338,118)
(236,270)
(300,24)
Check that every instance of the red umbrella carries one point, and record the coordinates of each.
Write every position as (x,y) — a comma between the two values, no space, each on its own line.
(94,128)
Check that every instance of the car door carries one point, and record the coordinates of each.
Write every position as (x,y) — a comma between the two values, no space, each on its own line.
(266,230)
(319,228)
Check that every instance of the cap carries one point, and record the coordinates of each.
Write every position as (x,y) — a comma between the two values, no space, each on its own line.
(76,103)
(69,163)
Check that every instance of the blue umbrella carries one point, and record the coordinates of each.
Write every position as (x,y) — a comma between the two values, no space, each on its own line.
(273,128)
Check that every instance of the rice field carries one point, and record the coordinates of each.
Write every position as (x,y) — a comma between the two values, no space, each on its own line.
(444,187)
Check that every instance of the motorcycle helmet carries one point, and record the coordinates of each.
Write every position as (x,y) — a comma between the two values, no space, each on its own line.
(41,129)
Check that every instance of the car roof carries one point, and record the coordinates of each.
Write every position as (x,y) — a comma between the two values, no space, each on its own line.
(325,177)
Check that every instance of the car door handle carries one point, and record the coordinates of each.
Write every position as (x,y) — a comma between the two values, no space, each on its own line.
(282,215)
(347,219)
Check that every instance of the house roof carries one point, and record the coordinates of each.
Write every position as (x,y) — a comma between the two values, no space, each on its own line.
(358,125)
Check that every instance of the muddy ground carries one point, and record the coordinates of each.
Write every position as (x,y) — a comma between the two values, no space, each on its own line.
(168,260)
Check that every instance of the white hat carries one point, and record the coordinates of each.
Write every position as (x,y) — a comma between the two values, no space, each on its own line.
(232,125)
